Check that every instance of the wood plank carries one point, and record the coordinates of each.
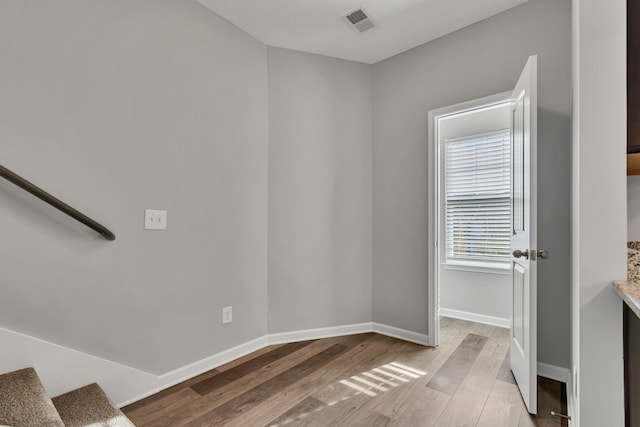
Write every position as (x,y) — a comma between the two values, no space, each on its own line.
(296,416)
(527,420)
(414,403)
(344,413)
(505,374)
(402,399)
(245,401)
(347,404)
(162,407)
(501,333)
(453,371)
(337,414)
(504,406)
(484,329)
(424,409)
(467,403)
(228,392)
(322,383)
(360,418)
(168,391)
(432,358)
(239,371)
(548,393)
(375,352)
(247,357)
(563,404)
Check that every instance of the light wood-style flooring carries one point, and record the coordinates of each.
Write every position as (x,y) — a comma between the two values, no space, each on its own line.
(360,380)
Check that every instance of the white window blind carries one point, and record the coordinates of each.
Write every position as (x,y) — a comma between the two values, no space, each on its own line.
(477,197)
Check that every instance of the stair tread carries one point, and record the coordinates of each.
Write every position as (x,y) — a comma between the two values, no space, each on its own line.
(89,405)
(24,401)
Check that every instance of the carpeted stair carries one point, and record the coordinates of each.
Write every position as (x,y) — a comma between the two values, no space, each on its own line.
(24,403)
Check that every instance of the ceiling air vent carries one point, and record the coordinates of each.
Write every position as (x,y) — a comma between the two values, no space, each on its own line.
(359,20)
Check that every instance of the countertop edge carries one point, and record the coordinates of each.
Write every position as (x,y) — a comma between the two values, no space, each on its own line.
(630,294)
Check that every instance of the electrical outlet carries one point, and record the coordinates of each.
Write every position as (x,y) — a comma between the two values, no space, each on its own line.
(227,315)
(155,219)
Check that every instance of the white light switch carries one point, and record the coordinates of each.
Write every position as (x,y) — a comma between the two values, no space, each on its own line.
(227,315)
(155,219)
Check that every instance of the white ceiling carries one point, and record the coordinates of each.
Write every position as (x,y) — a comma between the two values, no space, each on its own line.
(317,26)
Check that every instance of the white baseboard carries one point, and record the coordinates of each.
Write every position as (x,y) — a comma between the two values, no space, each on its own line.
(402,334)
(199,367)
(474,317)
(218,359)
(314,334)
(556,373)
(62,369)
(357,328)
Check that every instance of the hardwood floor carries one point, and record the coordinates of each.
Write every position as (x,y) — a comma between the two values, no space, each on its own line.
(360,380)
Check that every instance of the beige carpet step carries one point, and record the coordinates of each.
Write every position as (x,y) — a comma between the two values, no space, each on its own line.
(89,406)
(24,401)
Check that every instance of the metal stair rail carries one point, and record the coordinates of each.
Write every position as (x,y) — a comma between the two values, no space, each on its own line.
(55,202)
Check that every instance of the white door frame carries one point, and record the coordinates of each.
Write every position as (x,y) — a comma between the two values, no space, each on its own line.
(433,226)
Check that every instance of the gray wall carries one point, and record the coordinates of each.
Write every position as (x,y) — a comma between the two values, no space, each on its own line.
(115,107)
(319,191)
(599,223)
(483,59)
(475,292)
(120,106)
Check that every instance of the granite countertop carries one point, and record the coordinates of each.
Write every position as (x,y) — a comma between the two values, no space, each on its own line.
(629,290)
(630,293)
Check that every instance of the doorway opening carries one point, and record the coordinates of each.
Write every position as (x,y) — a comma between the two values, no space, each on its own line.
(522,110)
(470,196)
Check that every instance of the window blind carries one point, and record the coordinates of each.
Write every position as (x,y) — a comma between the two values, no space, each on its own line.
(477,197)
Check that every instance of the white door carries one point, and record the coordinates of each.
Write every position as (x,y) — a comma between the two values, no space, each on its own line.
(523,239)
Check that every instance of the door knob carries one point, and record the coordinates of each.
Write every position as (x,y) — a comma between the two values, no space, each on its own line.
(518,253)
(543,254)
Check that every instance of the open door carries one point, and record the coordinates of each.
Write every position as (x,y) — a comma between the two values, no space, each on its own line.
(524,228)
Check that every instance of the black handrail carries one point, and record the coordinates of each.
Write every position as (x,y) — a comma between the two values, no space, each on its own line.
(55,202)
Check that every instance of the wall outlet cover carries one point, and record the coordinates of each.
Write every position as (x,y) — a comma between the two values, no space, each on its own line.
(155,219)
(227,315)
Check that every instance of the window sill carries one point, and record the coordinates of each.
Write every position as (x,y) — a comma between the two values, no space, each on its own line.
(478,267)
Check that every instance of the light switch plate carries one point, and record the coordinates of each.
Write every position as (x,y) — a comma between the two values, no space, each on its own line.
(227,315)
(155,219)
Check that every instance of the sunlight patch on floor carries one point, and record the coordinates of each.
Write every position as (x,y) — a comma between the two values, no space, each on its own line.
(370,383)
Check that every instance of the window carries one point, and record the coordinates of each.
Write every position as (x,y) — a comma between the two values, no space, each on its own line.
(477,198)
